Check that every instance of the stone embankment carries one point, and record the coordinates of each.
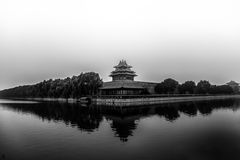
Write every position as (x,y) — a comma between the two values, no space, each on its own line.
(155,100)
(111,101)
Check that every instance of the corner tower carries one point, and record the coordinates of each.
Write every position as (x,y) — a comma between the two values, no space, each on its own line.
(122,72)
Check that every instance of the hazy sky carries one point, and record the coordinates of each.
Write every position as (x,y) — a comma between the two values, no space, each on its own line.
(181,39)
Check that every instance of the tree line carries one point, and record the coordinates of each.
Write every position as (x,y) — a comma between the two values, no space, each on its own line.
(88,84)
(74,87)
(171,86)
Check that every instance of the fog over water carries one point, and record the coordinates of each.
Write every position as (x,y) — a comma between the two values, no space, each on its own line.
(184,40)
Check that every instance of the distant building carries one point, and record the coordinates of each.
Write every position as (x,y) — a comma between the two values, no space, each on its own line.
(234,85)
(123,82)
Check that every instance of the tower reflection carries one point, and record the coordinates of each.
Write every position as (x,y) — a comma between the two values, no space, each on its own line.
(122,120)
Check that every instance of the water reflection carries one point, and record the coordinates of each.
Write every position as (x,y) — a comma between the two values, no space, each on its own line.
(86,119)
(123,128)
(189,109)
(123,121)
(170,112)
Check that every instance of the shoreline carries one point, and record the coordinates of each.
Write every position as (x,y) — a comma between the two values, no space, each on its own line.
(134,101)
(157,100)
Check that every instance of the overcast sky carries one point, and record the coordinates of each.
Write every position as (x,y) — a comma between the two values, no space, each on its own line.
(181,39)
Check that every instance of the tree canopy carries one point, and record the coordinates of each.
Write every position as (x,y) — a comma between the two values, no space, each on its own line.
(168,86)
(171,86)
(187,87)
(203,87)
(75,87)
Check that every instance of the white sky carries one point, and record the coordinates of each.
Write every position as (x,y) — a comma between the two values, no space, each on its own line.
(181,39)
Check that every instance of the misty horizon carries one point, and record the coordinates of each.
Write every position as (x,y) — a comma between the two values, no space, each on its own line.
(187,40)
(109,79)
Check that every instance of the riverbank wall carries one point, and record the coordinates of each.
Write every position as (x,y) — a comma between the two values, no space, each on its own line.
(135,101)
(155,100)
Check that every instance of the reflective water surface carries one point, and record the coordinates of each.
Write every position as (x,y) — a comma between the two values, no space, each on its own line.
(189,130)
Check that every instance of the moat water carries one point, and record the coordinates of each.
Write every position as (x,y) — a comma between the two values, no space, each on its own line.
(190,130)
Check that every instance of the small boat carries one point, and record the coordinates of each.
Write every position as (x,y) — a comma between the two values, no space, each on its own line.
(85,100)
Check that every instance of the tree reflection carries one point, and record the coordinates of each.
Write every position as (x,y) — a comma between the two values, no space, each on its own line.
(123,120)
(86,119)
(188,108)
(169,111)
(207,107)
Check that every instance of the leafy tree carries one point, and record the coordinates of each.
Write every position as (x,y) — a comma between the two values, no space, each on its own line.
(203,87)
(168,86)
(222,89)
(159,88)
(75,87)
(187,87)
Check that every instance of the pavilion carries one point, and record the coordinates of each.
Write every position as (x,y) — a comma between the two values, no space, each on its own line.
(123,82)
(234,85)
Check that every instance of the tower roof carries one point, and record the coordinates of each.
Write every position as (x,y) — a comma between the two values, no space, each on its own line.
(123,64)
(232,83)
(123,69)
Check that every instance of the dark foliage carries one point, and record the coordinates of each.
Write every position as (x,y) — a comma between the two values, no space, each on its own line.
(75,87)
(203,87)
(187,87)
(168,86)
(171,86)
(223,89)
